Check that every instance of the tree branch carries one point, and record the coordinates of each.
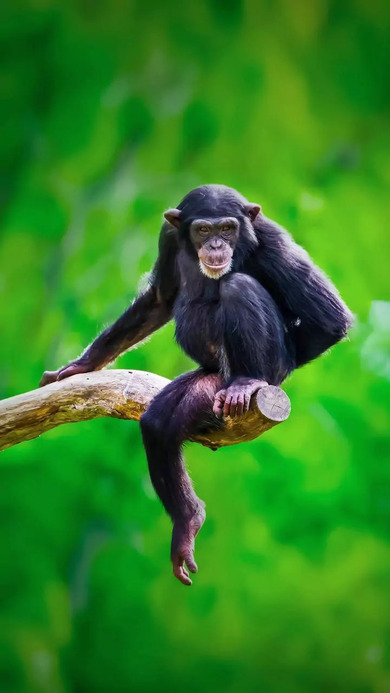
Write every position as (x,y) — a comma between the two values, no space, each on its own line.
(123,394)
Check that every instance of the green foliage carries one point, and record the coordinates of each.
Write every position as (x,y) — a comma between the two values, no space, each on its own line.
(110,113)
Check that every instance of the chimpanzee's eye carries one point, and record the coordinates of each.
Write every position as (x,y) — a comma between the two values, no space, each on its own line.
(203,230)
(226,228)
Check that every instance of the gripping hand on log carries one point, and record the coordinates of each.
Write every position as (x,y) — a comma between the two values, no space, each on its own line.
(65,372)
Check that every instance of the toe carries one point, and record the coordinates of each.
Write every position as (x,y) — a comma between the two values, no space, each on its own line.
(233,405)
(226,406)
(240,405)
(217,408)
(219,400)
(181,573)
(190,563)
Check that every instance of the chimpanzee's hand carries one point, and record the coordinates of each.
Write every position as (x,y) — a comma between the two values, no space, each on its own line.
(183,546)
(236,398)
(64,372)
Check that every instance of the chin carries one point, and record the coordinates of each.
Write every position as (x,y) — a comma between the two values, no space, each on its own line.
(214,274)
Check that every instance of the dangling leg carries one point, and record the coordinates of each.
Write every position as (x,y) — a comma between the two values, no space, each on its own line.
(172,418)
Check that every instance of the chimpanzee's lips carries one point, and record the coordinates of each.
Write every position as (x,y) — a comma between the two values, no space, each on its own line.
(216,267)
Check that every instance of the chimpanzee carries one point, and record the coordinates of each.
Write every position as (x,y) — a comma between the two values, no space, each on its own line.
(249,307)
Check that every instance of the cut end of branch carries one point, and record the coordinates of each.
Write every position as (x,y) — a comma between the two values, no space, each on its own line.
(273,404)
(269,407)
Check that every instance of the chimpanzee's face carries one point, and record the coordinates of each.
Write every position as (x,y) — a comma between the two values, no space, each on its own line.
(214,241)
(214,219)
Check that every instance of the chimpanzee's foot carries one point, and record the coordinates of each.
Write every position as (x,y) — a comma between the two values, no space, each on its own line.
(236,398)
(183,546)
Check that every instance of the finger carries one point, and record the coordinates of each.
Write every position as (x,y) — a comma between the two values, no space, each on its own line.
(70,370)
(65,373)
(48,377)
(226,406)
(240,405)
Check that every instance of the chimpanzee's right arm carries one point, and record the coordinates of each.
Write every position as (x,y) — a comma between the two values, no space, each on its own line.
(149,311)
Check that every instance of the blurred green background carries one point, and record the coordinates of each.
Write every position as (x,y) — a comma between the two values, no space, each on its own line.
(111,112)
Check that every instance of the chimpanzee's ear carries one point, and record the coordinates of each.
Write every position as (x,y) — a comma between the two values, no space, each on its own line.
(252,211)
(173,217)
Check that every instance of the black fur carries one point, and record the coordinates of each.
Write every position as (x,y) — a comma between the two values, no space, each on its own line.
(272,312)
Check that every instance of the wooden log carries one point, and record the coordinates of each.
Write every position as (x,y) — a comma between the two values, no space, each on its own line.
(123,394)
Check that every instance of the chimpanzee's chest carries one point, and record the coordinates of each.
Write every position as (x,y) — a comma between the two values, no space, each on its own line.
(198,328)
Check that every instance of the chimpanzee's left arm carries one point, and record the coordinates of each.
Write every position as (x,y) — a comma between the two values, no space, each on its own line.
(148,312)
(311,303)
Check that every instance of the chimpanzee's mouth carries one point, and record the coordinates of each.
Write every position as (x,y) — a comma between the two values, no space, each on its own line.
(216,268)
(215,271)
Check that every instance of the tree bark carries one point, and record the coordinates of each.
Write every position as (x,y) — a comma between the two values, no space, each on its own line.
(123,394)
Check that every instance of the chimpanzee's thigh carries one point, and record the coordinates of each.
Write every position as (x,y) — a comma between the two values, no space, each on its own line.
(255,338)
(182,408)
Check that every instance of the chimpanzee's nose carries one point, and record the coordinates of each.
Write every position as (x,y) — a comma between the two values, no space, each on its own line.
(216,243)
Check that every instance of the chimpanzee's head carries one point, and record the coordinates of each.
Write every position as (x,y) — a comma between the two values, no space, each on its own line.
(214,222)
